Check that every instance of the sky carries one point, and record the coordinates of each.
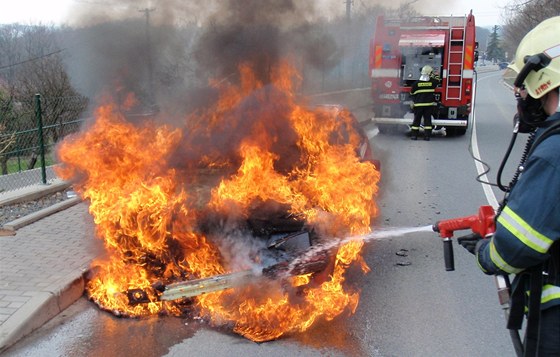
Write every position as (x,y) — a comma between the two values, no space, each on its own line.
(56,12)
(487,12)
(34,11)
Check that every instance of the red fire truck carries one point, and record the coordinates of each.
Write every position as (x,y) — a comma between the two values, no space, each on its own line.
(398,52)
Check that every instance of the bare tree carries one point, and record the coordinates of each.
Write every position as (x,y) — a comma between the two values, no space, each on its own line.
(523,15)
(31,63)
(6,142)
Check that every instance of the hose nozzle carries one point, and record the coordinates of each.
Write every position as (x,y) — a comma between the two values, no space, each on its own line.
(481,223)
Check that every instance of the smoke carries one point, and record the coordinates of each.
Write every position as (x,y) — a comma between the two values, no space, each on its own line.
(242,251)
(180,12)
(164,52)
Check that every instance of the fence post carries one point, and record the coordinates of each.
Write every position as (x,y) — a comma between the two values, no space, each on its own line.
(39,117)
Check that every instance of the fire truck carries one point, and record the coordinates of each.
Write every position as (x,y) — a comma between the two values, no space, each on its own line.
(398,51)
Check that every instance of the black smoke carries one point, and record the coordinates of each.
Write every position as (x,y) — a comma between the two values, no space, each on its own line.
(167,52)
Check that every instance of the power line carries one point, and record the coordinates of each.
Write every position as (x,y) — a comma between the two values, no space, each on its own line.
(31,59)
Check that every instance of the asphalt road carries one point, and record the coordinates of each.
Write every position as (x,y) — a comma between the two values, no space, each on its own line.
(409,306)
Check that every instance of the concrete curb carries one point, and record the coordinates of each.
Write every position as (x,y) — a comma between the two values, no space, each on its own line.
(39,310)
(488,68)
(44,305)
(33,217)
(31,193)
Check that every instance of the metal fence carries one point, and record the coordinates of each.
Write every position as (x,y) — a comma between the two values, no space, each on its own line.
(29,132)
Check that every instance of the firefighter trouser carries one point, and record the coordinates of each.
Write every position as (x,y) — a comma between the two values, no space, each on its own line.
(549,340)
(419,113)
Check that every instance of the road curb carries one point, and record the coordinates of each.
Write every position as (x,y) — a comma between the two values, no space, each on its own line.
(39,310)
(35,216)
(44,305)
(31,193)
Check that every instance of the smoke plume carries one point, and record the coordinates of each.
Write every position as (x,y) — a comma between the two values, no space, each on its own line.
(166,52)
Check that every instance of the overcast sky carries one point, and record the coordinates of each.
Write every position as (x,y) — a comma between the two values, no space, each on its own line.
(487,12)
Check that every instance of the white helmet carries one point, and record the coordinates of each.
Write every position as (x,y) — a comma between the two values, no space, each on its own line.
(427,70)
(537,59)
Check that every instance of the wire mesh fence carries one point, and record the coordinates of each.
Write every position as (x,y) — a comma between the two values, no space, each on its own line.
(29,132)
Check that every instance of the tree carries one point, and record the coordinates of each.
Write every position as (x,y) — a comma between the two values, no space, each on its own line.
(7,138)
(31,63)
(523,15)
(494,50)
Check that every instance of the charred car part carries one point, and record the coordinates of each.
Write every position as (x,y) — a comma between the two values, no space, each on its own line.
(287,240)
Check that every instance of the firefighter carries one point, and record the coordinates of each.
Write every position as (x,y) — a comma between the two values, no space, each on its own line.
(527,237)
(423,96)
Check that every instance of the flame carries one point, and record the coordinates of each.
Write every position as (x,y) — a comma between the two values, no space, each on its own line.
(148,211)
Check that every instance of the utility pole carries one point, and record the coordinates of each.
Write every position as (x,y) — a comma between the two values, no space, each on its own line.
(349,9)
(146,12)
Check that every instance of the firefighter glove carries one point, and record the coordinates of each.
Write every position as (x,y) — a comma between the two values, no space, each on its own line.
(469,242)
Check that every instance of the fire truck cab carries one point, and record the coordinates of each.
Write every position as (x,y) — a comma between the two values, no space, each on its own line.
(398,51)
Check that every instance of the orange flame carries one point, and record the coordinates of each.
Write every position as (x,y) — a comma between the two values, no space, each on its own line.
(148,213)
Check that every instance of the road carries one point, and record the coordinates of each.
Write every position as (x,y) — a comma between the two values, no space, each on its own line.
(409,305)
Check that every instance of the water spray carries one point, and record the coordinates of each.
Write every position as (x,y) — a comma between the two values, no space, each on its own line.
(378,234)
(482,224)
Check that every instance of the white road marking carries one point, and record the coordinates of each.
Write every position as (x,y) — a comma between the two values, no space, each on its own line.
(490,197)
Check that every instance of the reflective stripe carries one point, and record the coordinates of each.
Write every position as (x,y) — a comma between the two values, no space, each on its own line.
(427,127)
(500,262)
(469,57)
(423,91)
(524,232)
(378,56)
(424,104)
(549,293)
(553,52)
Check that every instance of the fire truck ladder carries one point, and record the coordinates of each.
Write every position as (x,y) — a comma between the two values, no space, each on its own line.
(455,60)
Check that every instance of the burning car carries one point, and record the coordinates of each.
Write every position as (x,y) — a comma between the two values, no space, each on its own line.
(363,150)
(236,215)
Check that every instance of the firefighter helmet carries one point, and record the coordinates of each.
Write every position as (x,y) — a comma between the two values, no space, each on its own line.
(537,59)
(427,70)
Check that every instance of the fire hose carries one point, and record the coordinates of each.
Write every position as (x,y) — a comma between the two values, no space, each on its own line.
(482,224)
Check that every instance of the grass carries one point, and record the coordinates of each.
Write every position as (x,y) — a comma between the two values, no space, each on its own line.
(18,165)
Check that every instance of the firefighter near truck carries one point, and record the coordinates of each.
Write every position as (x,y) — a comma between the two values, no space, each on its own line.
(398,52)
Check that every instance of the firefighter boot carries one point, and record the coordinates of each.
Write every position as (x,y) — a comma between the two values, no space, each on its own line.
(427,134)
(414,134)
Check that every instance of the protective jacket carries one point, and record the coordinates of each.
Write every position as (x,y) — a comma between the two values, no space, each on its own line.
(528,228)
(423,92)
